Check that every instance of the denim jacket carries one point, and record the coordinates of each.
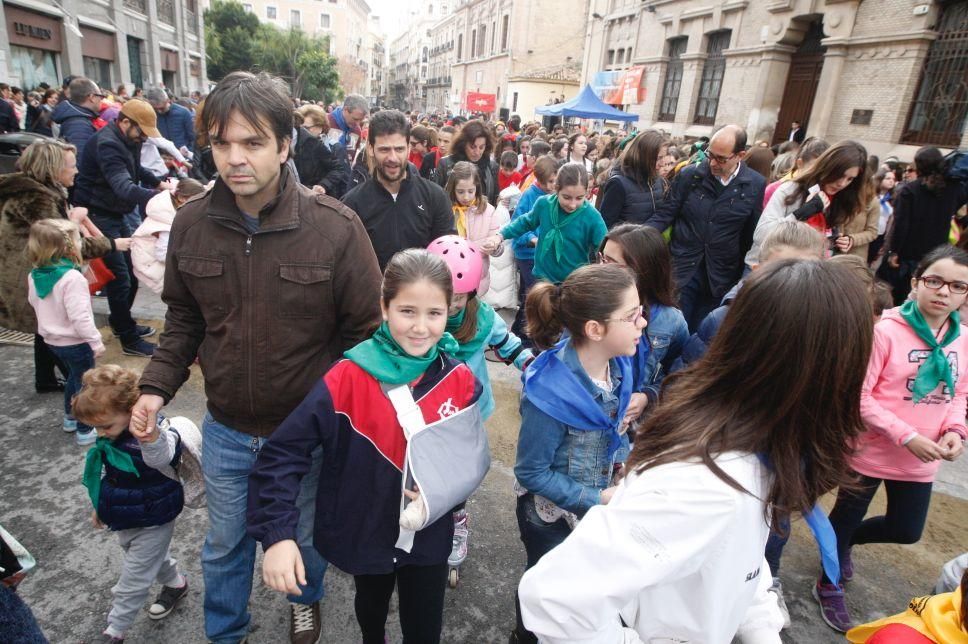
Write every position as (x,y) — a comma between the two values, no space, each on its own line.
(568,466)
(667,333)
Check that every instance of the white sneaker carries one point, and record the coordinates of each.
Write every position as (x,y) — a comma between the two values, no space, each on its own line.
(85,439)
(777,589)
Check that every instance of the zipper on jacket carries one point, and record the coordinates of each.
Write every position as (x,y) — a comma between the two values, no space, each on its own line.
(250,325)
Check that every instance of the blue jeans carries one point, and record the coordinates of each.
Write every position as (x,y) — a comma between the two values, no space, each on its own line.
(123,288)
(228,556)
(78,358)
(775,545)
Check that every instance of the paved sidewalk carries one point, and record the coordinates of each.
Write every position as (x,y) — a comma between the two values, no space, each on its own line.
(45,505)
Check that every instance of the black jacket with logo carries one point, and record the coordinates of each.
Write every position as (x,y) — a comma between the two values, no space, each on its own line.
(420,214)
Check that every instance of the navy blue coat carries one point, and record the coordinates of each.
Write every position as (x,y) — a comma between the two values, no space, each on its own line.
(149,499)
(178,126)
(625,201)
(109,172)
(712,224)
(76,124)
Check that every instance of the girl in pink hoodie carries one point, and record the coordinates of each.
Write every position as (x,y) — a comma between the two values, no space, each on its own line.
(913,405)
(474,218)
(59,294)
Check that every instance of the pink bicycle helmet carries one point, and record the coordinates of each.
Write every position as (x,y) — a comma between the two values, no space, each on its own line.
(464,260)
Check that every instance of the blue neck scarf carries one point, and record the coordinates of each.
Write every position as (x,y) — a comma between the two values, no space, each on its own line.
(554,389)
(823,533)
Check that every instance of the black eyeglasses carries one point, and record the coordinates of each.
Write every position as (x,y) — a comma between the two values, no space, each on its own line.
(935,283)
(719,159)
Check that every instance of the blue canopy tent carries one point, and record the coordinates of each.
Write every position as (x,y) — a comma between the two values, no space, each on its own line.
(587,106)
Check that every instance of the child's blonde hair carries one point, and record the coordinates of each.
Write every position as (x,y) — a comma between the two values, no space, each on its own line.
(105,390)
(51,240)
(796,235)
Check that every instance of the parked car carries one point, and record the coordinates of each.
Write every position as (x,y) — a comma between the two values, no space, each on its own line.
(12,145)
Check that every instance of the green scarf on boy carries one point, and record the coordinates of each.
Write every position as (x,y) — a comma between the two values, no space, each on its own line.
(935,368)
(385,360)
(104,450)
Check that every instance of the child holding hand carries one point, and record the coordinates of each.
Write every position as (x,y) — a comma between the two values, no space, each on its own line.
(138,497)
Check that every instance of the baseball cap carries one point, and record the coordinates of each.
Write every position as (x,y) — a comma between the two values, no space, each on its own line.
(143,114)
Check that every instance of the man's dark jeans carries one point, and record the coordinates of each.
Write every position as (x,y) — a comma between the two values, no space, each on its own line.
(123,288)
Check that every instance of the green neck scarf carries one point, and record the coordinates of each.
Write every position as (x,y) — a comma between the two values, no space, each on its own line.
(555,234)
(104,450)
(385,360)
(46,276)
(935,368)
(485,322)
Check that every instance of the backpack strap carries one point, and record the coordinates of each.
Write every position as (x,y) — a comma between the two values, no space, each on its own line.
(412,421)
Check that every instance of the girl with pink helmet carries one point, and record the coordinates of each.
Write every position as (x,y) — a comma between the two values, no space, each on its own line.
(476,327)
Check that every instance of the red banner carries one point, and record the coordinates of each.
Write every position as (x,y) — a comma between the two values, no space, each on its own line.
(629,90)
(477,102)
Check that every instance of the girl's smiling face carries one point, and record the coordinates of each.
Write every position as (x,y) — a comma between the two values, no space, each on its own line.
(466,191)
(417,317)
(570,198)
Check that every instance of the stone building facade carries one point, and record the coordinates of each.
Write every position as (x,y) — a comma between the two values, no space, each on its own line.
(889,73)
(500,40)
(138,43)
(443,53)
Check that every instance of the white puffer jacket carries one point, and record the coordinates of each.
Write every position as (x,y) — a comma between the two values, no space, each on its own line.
(503,290)
(159,215)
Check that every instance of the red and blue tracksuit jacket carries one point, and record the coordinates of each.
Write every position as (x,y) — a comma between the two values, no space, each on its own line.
(358,501)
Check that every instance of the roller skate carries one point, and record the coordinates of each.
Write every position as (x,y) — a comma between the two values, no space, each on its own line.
(459,551)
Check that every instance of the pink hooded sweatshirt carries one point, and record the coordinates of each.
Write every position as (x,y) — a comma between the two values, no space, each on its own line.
(887,404)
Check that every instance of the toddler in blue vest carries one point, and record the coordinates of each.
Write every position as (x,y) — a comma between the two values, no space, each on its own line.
(138,497)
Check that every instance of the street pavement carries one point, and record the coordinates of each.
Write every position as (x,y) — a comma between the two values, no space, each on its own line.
(46,507)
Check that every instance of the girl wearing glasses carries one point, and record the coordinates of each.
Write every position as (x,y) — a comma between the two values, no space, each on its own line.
(573,437)
(913,407)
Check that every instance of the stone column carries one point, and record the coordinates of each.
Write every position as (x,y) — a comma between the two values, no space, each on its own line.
(768,95)
(692,64)
(827,89)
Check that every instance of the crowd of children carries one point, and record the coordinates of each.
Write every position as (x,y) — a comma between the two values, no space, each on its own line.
(656,472)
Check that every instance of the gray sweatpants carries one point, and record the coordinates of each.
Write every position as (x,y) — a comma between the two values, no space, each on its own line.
(146,560)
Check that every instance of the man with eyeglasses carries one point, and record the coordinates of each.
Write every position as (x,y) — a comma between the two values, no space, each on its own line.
(713,208)
(108,184)
(76,117)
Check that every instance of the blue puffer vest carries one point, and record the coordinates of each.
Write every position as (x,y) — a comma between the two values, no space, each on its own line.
(129,501)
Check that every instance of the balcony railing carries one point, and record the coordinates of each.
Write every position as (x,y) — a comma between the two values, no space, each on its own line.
(136,5)
(166,11)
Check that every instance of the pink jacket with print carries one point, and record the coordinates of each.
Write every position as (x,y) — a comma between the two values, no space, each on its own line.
(887,405)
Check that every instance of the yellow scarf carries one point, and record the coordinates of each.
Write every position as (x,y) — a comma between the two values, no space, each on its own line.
(460,219)
(935,616)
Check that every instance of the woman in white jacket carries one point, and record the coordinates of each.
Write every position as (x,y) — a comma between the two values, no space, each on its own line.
(677,553)
(149,244)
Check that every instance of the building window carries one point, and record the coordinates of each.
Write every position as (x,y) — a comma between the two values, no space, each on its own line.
(937,115)
(247,8)
(98,70)
(460,46)
(270,13)
(628,55)
(34,66)
(430,9)
(493,36)
(483,41)
(473,43)
(712,78)
(295,18)
(673,80)
(611,58)
(504,32)
(324,21)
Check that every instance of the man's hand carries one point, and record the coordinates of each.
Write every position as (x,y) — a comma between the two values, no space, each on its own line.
(143,436)
(144,414)
(282,567)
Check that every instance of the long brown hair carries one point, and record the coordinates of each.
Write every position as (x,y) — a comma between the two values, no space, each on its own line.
(470,132)
(638,160)
(647,255)
(831,166)
(782,378)
(468,328)
(591,292)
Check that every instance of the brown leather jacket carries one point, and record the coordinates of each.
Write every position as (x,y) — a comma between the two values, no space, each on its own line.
(266,313)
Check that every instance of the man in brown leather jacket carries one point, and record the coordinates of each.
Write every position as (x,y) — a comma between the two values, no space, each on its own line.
(267,283)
